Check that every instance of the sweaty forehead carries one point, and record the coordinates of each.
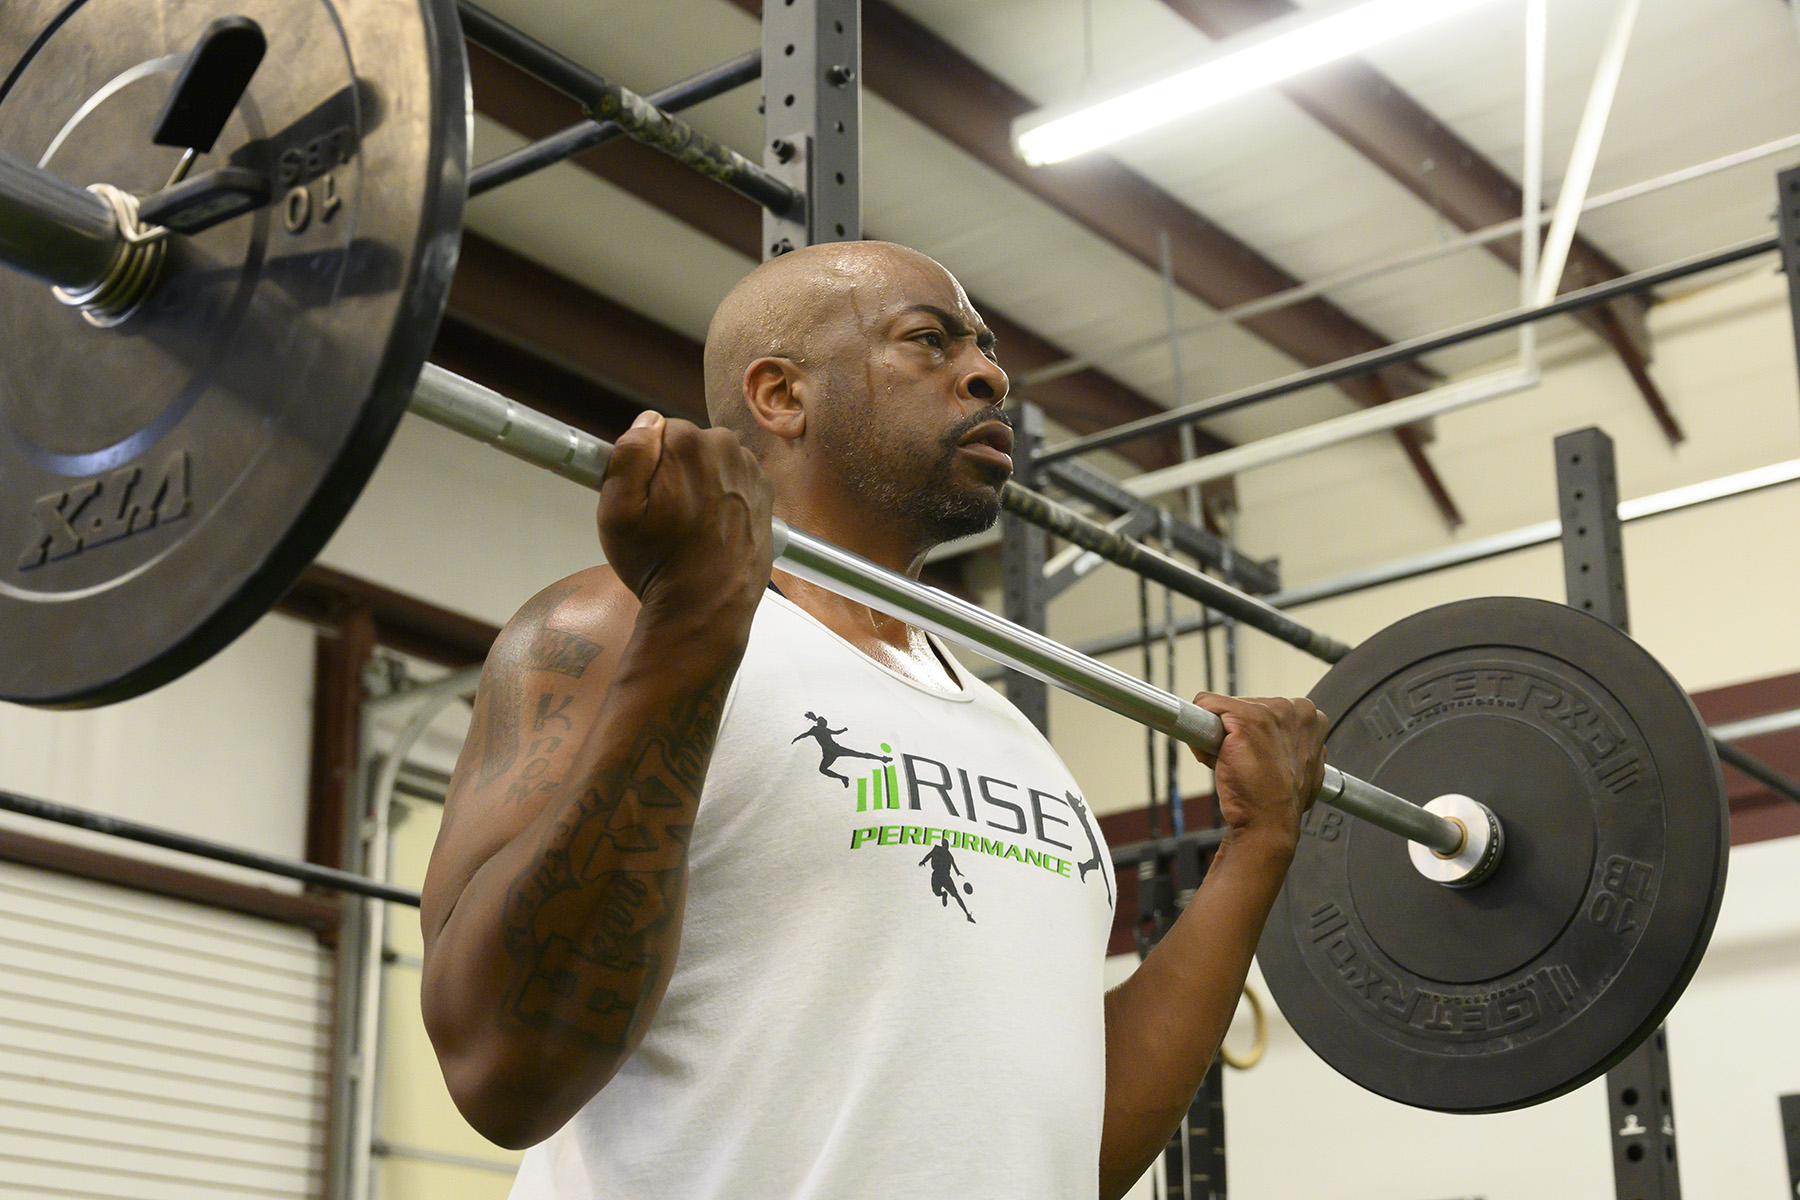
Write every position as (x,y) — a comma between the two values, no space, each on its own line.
(894,280)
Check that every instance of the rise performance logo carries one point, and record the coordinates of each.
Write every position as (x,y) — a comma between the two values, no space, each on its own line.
(973,804)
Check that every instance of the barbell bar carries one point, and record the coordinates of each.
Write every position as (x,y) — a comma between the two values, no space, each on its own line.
(44,207)
(74,217)
(447,399)
(65,235)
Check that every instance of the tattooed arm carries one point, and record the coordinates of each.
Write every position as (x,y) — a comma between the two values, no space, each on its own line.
(552,907)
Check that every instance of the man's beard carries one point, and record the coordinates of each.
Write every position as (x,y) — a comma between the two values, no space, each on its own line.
(920,488)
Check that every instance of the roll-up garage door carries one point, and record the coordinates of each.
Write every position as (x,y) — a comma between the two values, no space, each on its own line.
(156,1049)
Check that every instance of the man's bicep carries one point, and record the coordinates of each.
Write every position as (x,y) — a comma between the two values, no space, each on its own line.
(540,695)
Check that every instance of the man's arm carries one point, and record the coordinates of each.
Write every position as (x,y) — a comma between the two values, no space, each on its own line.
(1165,1023)
(552,906)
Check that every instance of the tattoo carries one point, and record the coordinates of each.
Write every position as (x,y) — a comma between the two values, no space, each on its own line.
(532,776)
(500,730)
(551,650)
(551,707)
(562,652)
(625,841)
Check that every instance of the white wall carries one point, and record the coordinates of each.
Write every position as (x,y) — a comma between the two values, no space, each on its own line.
(464,526)
(416,1109)
(221,753)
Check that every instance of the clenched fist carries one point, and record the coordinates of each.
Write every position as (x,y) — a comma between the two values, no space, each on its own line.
(684,518)
(1271,764)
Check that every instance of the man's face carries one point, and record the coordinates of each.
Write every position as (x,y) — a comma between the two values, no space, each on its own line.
(912,418)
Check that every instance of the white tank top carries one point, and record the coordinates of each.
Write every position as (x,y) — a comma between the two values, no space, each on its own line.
(889,982)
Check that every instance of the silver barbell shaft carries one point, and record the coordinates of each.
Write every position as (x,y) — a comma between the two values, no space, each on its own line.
(480,413)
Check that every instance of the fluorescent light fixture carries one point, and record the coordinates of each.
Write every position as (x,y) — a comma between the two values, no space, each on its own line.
(1242,64)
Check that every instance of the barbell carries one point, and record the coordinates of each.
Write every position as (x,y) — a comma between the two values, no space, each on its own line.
(201,374)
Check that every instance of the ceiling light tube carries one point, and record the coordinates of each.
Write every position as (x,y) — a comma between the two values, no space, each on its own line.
(1274,52)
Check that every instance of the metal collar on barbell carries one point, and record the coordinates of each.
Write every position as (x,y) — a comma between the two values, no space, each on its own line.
(133,270)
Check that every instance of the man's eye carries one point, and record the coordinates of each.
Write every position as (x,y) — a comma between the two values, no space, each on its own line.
(933,338)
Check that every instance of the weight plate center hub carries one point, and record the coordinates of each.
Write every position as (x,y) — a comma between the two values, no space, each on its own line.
(1540,976)
(1473,861)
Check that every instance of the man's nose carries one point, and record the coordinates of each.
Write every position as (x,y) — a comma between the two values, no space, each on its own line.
(983,381)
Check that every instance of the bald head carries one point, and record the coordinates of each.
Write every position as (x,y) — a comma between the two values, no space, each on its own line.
(806,306)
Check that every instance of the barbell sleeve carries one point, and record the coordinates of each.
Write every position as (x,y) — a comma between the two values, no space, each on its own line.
(468,408)
(62,234)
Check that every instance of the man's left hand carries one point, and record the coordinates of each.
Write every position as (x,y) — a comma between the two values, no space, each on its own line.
(1271,764)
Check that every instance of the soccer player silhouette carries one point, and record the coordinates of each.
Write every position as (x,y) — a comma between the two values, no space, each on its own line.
(942,886)
(1092,864)
(830,751)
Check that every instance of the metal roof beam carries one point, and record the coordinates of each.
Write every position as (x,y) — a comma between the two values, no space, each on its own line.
(1425,156)
(1085,402)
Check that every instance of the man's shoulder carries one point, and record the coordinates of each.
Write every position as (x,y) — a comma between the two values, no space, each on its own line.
(591,605)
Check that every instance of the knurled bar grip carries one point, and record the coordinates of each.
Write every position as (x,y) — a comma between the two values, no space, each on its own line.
(566,143)
(1109,544)
(650,125)
(641,120)
(477,412)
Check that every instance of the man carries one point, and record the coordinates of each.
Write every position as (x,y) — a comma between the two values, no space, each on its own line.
(660,944)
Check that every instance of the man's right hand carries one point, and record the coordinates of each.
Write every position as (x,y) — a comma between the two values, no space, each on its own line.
(684,517)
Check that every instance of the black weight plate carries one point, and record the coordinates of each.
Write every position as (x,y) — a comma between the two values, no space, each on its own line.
(164,481)
(1545,975)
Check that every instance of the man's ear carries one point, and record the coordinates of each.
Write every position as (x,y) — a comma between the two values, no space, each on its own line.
(778,391)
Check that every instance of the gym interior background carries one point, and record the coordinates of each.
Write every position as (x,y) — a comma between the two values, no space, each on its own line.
(168,1026)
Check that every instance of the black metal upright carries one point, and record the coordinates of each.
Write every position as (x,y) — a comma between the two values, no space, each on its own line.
(1638,1098)
(1169,872)
(1201,1158)
(1593,545)
(1024,548)
(812,118)
(1787,218)
(1790,1130)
